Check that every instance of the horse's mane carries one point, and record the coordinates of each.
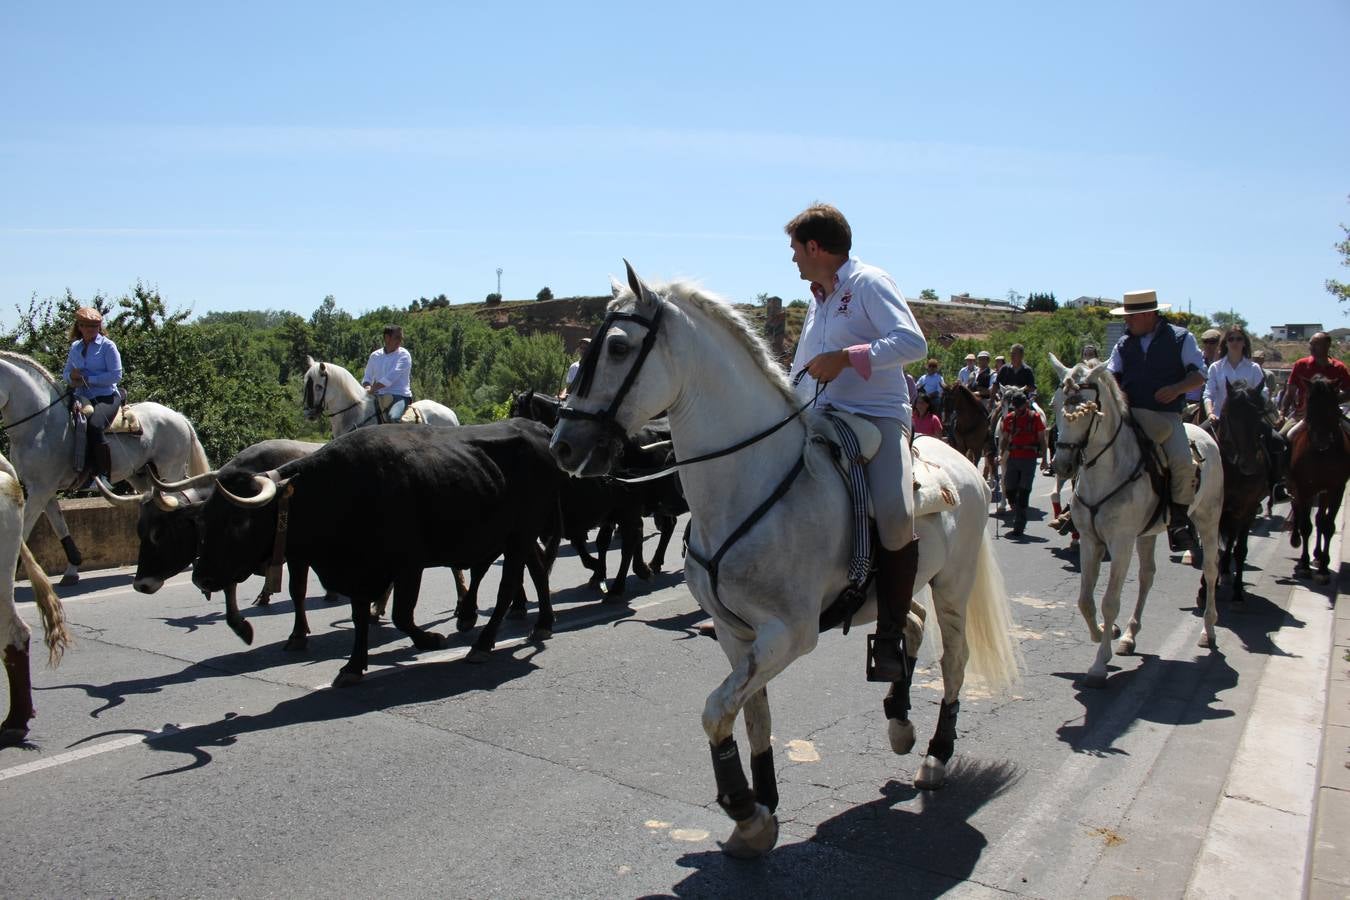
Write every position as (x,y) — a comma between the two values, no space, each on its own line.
(686,293)
(31,364)
(1322,396)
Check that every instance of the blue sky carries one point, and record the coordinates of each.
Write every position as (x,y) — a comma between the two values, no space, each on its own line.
(262,155)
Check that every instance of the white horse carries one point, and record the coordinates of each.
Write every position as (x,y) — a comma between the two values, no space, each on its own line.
(1114,502)
(681,350)
(14,631)
(332,391)
(42,443)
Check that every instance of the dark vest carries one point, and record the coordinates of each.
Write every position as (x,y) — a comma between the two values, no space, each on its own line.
(1143,373)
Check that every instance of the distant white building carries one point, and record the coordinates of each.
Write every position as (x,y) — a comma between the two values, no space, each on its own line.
(968,300)
(1081,302)
(1294,331)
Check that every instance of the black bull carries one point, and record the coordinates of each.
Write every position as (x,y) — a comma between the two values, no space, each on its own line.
(169,536)
(375,507)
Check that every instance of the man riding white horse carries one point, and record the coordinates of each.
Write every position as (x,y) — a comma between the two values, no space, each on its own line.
(856,337)
(1156,363)
(93,369)
(388,375)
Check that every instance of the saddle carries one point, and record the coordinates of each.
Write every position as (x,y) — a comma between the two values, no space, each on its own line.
(411,415)
(1160,474)
(126,421)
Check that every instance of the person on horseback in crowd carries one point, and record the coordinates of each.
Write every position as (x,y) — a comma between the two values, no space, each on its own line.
(1317,362)
(574,368)
(925,420)
(1238,367)
(1025,440)
(930,382)
(1211,349)
(94,369)
(1017,374)
(967,374)
(993,381)
(389,374)
(1156,363)
(983,382)
(858,335)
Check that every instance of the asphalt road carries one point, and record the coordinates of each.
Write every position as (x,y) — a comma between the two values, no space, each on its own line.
(168,759)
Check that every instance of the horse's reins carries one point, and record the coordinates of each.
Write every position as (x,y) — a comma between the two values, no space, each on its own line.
(352,405)
(68,392)
(1079,447)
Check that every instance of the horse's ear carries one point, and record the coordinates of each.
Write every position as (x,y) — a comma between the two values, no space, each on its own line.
(615,287)
(309,362)
(640,290)
(1060,369)
(323,369)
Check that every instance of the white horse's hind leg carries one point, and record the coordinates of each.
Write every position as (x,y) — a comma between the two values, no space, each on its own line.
(1146,546)
(951,615)
(1209,538)
(754,664)
(1115,579)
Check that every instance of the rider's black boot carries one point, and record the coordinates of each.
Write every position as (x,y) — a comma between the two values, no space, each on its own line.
(103,460)
(886,652)
(1180,531)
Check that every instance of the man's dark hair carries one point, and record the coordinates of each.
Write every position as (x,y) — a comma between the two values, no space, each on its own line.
(1017,348)
(823,224)
(396,330)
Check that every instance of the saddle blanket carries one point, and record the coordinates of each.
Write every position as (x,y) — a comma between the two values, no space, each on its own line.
(125,422)
(413,415)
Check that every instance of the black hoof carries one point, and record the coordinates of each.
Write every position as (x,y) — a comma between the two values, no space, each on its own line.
(245,632)
(296,642)
(262,599)
(465,623)
(13,736)
(347,678)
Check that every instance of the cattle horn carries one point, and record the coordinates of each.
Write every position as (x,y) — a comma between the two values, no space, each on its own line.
(196,481)
(659,445)
(267,489)
(116,499)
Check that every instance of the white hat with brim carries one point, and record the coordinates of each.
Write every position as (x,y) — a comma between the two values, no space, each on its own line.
(1140,302)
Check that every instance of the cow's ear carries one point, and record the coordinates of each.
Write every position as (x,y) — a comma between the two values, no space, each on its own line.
(644,294)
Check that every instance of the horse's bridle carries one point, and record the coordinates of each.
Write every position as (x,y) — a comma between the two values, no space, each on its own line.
(68,392)
(1078,448)
(608,418)
(317,406)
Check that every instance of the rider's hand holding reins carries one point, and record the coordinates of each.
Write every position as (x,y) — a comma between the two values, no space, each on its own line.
(825,367)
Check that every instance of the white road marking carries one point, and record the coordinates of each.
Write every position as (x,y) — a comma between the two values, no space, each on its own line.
(79,753)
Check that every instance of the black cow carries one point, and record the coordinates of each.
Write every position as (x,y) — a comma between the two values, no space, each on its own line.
(376,506)
(169,533)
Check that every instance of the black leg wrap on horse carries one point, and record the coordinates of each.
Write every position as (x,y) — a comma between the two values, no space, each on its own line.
(943,744)
(896,703)
(733,792)
(72,552)
(764,779)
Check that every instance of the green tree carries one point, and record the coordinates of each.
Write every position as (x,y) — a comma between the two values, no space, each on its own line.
(1041,303)
(1224,319)
(928,294)
(1339,289)
(143,310)
(493,299)
(544,294)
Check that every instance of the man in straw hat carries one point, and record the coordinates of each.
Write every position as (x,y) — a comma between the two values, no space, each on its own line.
(93,369)
(1156,364)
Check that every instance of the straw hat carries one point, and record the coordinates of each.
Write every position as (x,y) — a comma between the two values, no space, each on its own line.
(1140,302)
(970,357)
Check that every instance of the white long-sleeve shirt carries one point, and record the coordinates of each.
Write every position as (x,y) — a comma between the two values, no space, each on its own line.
(863,307)
(393,370)
(1221,372)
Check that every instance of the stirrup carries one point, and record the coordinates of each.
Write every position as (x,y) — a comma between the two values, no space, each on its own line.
(887,670)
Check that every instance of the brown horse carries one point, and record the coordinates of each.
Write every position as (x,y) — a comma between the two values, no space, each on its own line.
(1246,477)
(1319,465)
(970,422)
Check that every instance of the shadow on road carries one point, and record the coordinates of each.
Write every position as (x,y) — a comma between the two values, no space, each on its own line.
(877,849)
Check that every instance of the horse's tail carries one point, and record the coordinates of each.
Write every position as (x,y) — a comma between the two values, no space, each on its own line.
(198,464)
(993,655)
(49,605)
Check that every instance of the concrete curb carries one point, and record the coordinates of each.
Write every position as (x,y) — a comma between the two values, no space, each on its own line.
(1259,840)
(1329,869)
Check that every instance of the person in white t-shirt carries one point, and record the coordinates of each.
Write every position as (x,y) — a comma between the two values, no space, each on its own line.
(389,374)
(1235,367)
(574,368)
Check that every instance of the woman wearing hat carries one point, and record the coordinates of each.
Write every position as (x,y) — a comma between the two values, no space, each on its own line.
(93,369)
(1156,363)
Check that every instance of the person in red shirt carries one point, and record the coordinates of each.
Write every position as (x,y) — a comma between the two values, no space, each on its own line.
(925,420)
(1319,362)
(1024,441)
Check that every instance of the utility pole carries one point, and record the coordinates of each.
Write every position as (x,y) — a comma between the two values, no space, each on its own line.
(499,281)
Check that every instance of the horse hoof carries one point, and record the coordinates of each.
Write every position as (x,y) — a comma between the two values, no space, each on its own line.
(477,656)
(296,642)
(539,635)
(901,734)
(245,632)
(67,580)
(347,678)
(465,624)
(1125,647)
(262,599)
(596,582)
(754,837)
(931,775)
(644,573)
(13,737)
(1096,682)
(1299,572)
(1206,641)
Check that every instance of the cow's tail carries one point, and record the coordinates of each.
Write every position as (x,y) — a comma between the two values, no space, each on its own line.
(49,605)
(198,464)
